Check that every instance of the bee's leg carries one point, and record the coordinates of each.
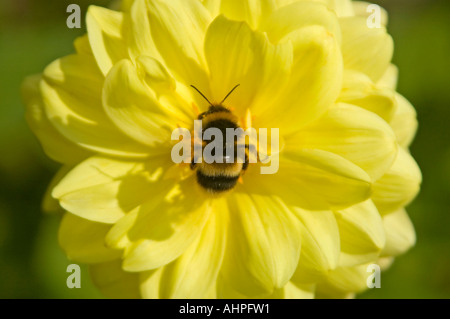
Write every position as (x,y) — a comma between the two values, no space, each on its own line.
(245,165)
(193,163)
(201,116)
(193,157)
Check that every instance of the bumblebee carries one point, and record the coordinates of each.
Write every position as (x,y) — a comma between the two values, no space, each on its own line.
(215,177)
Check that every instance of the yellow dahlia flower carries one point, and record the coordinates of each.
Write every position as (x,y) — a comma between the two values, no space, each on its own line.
(313,69)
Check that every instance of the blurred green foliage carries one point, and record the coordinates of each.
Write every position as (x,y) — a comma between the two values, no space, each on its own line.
(33,33)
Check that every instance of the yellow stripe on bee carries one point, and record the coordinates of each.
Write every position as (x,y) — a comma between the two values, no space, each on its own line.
(220,116)
(220,169)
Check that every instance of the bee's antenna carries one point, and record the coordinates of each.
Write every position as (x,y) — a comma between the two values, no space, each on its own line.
(201,94)
(229,93)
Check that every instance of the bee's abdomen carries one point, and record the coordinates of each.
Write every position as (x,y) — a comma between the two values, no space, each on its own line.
(216,183)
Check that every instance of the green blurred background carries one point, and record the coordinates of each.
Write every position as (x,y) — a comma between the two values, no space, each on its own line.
(33,33)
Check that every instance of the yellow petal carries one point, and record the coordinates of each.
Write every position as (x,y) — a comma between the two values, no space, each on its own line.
(361,9)
(326,293)
(400,234)
(385,262)
(134,107)
(289,291)
(367,50)
(82,45)
(150,283)
(139,37)
(50,204)
(125,5)
(296,291)
(390,78)
(361,232)
(282,3)
(155,75)
(106,36)
(263,244)
(213,6)
(359,90)
(344,280)
(343,8)
(113,282)
(353,133)
(351,260)
(72,95)
(251,11)
(178,29)
(297,15)
(225,290)
(194,273)
(238,55)
(84,241)
(320,245)
(104,190)
(313,179)
(77,75)
(153,239)
(404,121)
(314,84)
(56,146)
(399,185)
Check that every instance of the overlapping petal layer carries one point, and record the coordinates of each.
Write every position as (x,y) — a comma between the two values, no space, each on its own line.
(56,146)
(263,246)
